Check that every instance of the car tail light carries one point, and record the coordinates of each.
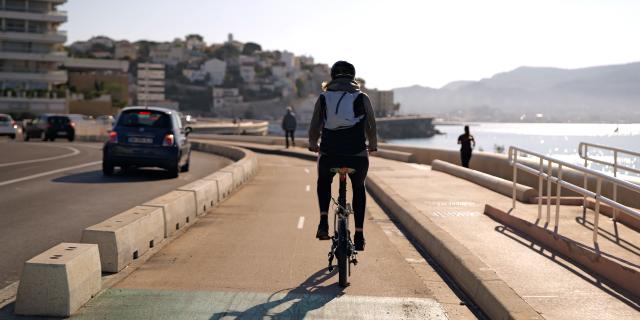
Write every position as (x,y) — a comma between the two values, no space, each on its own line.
(113,137)
(14,124)
(72,124)
(168,140)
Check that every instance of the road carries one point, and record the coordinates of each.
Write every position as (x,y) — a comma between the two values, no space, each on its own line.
(255,256)
(50,192)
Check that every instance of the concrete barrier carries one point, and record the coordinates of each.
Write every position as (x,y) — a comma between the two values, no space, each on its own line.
(224,181)
(126,236)
(206,193)
(59,281)
(394,155)
(237,174)
(179,210)
(502,186)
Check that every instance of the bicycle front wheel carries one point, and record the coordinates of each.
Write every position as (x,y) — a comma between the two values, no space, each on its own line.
(342,253)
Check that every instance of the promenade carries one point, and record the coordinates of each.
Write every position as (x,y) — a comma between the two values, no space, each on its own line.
(254,256)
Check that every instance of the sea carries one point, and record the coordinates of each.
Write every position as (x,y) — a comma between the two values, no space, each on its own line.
(557,140)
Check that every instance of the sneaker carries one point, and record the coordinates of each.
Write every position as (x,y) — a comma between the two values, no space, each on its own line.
(358,241)
(323,232)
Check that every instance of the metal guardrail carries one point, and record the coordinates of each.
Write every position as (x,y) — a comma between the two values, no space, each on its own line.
(560,183)
(583,151)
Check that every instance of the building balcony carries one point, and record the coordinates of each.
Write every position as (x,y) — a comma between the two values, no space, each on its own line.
(51,16)
(56,56)
(47,37)
(53,77)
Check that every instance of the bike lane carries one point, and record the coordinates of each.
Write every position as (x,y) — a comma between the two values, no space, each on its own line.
(255,256)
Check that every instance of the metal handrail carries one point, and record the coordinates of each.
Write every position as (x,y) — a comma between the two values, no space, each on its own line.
(548,176)
(583,151)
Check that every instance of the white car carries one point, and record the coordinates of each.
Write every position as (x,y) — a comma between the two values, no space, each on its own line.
(8,127)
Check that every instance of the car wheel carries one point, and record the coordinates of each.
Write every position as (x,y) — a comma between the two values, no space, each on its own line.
(25,136)
(174,171)
(52,138)
(107,167)
(71,138)
(185,167)
(13,136)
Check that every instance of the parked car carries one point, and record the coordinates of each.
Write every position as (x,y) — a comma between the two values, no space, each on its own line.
(50,127)
(148,137)
(8,127)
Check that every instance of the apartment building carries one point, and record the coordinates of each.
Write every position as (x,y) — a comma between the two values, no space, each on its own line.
(382,101)
(30,53)
(150,84)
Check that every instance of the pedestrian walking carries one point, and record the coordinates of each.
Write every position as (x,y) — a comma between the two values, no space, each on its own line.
(467,143)
(289,124)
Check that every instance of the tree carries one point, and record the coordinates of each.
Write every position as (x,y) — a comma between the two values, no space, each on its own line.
(250,48)
(194,35)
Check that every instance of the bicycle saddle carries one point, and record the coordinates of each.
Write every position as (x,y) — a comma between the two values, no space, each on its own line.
(343,170)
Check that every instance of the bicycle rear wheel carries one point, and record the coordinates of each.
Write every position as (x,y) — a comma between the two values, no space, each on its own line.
(342,254)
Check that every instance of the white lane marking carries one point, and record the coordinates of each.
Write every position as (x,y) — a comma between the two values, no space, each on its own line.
(300,222)
(418,166)
(306,170)
(4,183)
(543,297)
(74,152)
(308,188)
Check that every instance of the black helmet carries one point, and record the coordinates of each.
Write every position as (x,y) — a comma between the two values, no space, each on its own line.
(343,69)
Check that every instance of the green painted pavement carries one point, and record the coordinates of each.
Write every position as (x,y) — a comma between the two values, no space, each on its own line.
(125,304)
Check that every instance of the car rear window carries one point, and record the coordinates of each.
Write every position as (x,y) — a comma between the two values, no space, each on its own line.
(145,118)
(58,120)
(4,119)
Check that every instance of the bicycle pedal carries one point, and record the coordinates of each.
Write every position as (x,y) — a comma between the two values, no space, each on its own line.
(330,268)
(355,262)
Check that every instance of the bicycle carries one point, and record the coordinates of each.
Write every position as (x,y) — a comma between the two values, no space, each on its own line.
(342,247)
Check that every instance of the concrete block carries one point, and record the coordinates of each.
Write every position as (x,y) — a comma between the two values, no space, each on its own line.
(224,182)
(237,173)
(126,236)
(179,210)
(206,193)
(59,281)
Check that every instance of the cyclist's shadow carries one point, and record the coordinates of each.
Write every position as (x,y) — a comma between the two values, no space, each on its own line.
(308,296)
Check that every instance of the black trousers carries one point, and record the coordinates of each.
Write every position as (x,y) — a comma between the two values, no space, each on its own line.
(465,156)
(289,133)
(325,178)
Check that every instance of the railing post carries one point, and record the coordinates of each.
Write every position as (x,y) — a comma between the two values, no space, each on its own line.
(558,193)
(515,177)
(540,190)
(615,186)
(549,175)
(597,211)
(586,187)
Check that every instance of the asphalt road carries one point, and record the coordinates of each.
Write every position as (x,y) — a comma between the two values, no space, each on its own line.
(50,192)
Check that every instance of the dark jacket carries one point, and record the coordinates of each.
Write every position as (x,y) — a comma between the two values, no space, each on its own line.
(350,141)
(289,122)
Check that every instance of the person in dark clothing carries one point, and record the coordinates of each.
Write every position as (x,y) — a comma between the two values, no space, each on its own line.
(467,143)
(344,120)
(289,124)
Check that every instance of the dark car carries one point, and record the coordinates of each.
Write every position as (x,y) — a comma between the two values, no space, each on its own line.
(148,137)
(50,127)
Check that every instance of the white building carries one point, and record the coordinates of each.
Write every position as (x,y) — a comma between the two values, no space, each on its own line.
(216,69)
(248,73)
(246,60)
(279,71)
(30,56)
(289,59)
(150,83)
(169,54)
(226,96)
(194,74)
(195,43)
(126,50)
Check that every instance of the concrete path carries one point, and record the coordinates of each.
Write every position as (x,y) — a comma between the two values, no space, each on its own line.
(255,256)
(552,286)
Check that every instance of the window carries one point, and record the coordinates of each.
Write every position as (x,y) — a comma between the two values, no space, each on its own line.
(144,118)
(13,25)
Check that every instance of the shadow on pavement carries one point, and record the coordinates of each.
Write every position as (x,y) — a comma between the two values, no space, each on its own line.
(308,296)
(6,313)
(595,280)
(128,176)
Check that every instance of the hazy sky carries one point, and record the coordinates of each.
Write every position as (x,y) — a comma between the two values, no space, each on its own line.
(391,43)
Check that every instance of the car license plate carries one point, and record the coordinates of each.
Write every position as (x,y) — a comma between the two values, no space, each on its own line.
(140,140)
(62,132)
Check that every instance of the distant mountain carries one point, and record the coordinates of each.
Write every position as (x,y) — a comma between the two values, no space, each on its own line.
(603,93)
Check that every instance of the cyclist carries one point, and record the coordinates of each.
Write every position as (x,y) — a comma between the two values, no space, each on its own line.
(343,120)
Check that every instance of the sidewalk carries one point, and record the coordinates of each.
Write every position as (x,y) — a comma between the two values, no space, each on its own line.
(255,256)
(553,287)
